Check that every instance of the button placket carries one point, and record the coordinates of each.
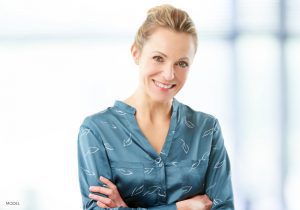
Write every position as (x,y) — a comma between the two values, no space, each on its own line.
(162,194)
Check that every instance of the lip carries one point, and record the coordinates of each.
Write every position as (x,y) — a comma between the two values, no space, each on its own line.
(165,89)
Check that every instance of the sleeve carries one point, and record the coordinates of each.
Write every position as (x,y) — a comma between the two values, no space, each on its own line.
(218,177)
(93,163)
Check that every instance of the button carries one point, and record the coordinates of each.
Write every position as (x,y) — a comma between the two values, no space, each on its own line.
(160,164)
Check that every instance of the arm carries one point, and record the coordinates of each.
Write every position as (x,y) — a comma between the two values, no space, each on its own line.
(93,163)
(218,179)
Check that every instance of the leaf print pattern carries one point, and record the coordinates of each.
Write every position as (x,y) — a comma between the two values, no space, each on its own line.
(125,172)
(163,153)
(184,146)
(138,190)
(208,132)
(146,193)
(92,150)
(120,112)
(162,193)
(109,124)
(127,142)
(145,175)
(205,156)
(188,123)
(214,148)
(217,201)
(219,164)
(88,172)
(108,146)
(152,190)
(210,187)
(195,165)
(174,163)
(186,189)
(84,131)
(148,170)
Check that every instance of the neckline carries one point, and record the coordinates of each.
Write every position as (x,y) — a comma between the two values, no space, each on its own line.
(131,110)
(143,141)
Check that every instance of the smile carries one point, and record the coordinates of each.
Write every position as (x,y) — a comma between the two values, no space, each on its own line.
(161,85)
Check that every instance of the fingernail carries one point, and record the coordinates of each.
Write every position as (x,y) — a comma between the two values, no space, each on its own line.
(101,177)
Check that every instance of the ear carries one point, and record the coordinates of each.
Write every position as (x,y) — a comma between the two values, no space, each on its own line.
(135,54)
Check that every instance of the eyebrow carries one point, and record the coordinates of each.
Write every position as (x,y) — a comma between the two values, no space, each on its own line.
(183,58)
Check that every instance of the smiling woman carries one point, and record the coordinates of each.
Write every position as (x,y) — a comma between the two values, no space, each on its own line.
(150,150)
(164,63)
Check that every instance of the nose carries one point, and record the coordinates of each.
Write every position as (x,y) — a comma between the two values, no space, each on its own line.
(168,73)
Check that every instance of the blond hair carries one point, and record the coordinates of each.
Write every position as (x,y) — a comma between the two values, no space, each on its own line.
(168,17)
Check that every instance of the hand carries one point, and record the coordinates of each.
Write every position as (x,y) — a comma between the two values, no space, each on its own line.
(198,202)
(114,198)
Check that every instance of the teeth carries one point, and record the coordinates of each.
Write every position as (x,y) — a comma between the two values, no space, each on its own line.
(162,85)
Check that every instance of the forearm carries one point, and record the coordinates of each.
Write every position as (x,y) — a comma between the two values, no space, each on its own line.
(163,207)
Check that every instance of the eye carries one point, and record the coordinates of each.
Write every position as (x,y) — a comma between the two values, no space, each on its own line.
(158,58)
(183,64)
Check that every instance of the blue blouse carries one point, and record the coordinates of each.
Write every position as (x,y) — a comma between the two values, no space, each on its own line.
(193,159)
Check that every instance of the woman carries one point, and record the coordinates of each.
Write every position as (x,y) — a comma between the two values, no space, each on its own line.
(150,150)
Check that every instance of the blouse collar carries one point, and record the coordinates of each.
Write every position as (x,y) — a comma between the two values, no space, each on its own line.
(131,110)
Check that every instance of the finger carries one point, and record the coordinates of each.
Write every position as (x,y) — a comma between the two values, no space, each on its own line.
(102,205)
(108,183)
(103,190)
(206,197)
(107,201)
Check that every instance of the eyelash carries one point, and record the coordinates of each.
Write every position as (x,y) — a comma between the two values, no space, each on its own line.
(158,59)
(181,64)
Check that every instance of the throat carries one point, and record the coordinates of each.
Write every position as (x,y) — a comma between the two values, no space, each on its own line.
(155,134)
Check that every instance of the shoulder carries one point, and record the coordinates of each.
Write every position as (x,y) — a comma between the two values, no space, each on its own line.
(199,117)
(95,120)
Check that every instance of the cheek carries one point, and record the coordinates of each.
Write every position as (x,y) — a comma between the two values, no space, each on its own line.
(182,75)
(149,68)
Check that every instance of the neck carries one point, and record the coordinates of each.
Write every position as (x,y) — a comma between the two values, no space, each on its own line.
(149,110)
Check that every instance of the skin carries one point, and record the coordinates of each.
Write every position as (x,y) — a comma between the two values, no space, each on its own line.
(114,198)
(165,58)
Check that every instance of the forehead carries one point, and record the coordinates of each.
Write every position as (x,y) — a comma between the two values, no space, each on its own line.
(170,42)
